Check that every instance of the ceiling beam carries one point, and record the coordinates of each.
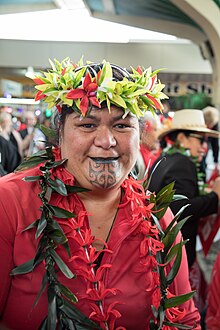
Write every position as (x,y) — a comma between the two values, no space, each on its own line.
(177,29)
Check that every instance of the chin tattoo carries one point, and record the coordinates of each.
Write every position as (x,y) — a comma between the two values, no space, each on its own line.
(103,175)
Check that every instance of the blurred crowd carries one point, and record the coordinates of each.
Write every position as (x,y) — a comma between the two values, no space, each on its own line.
(20,137)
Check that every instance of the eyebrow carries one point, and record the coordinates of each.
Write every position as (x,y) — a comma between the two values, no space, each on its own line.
(114,118)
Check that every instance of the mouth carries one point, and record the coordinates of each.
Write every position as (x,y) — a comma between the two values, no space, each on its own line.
(104,160)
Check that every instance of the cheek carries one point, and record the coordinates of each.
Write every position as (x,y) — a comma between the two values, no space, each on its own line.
(133,148)
(70,144)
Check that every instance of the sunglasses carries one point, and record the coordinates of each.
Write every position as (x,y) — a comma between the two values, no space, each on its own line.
(201,138)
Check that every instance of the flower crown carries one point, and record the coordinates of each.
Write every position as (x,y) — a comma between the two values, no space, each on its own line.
(83,86)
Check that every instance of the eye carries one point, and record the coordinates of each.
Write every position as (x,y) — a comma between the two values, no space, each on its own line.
(87,125)
(121,126)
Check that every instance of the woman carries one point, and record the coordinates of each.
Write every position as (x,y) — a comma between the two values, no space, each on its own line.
(149,144)
(185,141)
(213,306)
(82,247)
(10,157)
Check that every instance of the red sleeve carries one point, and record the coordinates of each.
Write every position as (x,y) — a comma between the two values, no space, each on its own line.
(213,311)
(7,234)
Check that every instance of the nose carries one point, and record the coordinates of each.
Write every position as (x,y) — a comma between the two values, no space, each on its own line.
(105,138)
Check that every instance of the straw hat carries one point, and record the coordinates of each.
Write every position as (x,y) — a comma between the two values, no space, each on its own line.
(190,120)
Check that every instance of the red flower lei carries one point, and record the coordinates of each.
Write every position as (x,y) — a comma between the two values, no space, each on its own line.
(141,211)
(142,217)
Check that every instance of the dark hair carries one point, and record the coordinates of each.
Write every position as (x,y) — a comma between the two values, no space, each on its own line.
(173,136)
(118,72)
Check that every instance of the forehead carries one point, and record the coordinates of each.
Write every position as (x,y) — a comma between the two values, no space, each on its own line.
(104,114)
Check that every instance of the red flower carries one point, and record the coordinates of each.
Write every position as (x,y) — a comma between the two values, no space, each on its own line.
(39,96)
(139,70)
(109,316)
(59,108)
(38,81)
(86,94)
(153,81)
(156,105)
(100,293)
(63,71)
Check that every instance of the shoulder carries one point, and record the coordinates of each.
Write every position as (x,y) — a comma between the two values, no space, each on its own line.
(14,183)
(174,160)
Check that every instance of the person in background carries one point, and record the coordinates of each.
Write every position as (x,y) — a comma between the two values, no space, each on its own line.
(81,249)
(40,140)
(185,141)
(10,157)
(27,133)
(211,115)
(149,144)
(212,319)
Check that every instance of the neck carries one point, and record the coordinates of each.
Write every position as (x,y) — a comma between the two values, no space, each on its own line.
(108,197)
(5,135)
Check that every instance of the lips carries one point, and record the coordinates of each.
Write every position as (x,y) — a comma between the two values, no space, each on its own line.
(104,160)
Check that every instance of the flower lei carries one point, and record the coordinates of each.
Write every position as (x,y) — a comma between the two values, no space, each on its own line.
(73,85)
(157,248)
(176,147)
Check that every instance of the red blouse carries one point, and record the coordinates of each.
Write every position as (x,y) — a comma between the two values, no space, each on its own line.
(127,282)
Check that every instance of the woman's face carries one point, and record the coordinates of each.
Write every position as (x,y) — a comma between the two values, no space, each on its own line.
(196,143)
(101,148)
(149,136)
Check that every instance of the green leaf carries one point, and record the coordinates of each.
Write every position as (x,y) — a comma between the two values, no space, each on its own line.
(33,178)
(175,267)
(79,76)
(170,236)
(179,197)
(49,132)
(175,301)
(42,289)
(158,224)
(25,268)
(50,165)
(41,225)
(165,195)
(161,316)
(30,163)
(153,326)
(75,189)
(155,311)
(60,212)
(58,186)
(173,251)
(40,249)
(43,325)
(147,182)
(177,325)
(32,225)
(73,313)
(60,263)
(52,309)
(176,218)
(57,236)
(67,293)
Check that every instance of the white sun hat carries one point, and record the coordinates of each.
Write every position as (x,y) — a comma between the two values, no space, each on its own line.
(190,120)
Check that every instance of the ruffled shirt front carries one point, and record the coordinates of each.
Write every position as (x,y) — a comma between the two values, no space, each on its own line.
(125,278)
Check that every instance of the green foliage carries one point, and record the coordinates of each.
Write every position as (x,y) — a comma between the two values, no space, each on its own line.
(171,254)
(50,235)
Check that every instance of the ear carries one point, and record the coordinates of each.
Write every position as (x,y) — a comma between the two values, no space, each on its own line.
(181,137)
